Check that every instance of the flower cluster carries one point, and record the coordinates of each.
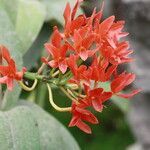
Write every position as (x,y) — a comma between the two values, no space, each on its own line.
(9,72)
(91,51)
(81,59)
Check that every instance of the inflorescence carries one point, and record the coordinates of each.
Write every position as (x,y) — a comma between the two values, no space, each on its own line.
(80,59)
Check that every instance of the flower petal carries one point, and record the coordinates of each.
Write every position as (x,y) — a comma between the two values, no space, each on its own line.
(53,63)
(105,96)
(129,95)
(121,81)
(10,84)
(5,53)
(73,121)
(97,105)
(63,66)
(3,79)
(106,24)
(75,9)
(96,92)
(67,13)
(83,55)
(56,38)
(51,49)
(84,127)
(4,70)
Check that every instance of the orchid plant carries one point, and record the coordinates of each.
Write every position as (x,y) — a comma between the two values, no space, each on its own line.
(80,59)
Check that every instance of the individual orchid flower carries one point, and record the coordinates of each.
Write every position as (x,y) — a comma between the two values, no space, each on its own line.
(79,116)
(118,55)
(9,72)
(82,42)
(72,23)
(97,97)
(122,81)
(57,51)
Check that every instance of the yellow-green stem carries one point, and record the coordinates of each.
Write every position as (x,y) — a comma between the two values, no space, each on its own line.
(26,88)
(67,94)
(79,95)
(55,74)
(66,109)
(71,93)
(40,70)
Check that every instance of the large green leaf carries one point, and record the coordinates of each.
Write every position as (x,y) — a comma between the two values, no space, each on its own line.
(30,18)
(20,22)
(28,127)
(9,37)
(55,9)
(27,18)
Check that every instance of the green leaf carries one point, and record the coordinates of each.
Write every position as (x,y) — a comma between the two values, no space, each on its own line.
(27,18)
(28,127)
(55,9)
(20,22)
(9,37)
(30,18)
(18,130)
